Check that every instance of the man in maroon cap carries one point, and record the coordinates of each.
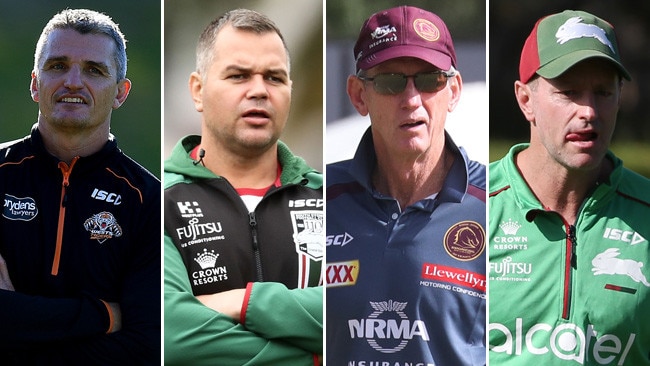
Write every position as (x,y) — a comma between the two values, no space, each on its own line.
(405,216)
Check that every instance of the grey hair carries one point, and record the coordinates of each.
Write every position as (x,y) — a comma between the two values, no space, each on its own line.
(241,19)
(85,21)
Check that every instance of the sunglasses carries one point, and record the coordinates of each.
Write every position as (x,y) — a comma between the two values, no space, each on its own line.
(393,84)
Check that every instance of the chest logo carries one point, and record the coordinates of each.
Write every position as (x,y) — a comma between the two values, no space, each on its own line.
(308,233)
(388,329)
(103,226)
(607,263)
(465,240)
(19,209)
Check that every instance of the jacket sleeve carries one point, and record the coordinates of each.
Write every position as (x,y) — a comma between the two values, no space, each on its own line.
(197,335)
(138,342)
(30,319)
(273,311)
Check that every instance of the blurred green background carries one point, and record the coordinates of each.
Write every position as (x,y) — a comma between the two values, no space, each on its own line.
(301,24)
(510,22)
(137,123)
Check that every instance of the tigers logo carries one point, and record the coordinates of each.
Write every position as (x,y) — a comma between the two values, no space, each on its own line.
(465,240)
(103,226)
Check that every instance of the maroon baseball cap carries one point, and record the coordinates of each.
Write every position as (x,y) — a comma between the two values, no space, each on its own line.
(405,31)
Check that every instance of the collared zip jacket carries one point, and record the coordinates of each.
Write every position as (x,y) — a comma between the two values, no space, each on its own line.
(75,237)
(569,292)
(213,244)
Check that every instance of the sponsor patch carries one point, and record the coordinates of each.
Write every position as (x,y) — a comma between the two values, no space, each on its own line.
(465,240)
(342,273)
(388,329)
(20,209)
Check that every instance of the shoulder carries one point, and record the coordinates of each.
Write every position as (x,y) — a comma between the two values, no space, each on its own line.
(634,187)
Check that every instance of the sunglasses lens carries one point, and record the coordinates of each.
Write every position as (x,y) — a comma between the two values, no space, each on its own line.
(390,84)
(430,82)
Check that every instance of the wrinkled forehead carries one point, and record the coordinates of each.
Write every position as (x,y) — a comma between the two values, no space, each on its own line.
(70,45)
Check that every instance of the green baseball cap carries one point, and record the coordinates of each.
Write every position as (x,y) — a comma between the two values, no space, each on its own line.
(561,40)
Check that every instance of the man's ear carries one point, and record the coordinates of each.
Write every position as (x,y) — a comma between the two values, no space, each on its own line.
(356,92)
(123,89)
(33,87)
(523,93)
(196,90)
(456,87)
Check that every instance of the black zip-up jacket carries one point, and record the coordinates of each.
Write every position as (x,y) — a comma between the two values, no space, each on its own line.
(224,246)
(75,237)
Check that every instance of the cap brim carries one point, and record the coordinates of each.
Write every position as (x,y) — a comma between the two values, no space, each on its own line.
(561,64)
(435,58)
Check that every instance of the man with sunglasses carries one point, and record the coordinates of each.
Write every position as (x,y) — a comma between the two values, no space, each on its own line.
(406,215)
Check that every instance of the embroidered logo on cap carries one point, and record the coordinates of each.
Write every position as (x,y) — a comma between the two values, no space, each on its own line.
(573,28)
(425,29)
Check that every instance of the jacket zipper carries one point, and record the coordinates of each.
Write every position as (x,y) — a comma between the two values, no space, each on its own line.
(252,221)
(66,170)
(571,262)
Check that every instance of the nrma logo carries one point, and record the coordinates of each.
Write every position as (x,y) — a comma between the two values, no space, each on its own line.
(388,329)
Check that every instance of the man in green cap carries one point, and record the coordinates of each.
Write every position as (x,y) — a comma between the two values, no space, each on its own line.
(568,228)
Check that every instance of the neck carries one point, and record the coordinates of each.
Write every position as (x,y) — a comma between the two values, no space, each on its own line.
(557,188)
(242,172)
(412,181)
(67,144)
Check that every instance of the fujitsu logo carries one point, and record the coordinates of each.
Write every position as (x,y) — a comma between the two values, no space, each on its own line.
(388,329)
(565,341)
(508,267)
(194,229)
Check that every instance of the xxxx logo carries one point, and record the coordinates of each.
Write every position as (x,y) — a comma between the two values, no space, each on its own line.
(342,273)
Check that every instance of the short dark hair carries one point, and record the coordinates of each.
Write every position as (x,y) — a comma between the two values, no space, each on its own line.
(85,21)
(242,19)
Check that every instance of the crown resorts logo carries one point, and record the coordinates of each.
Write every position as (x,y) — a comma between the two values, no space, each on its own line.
(509,239)
(206,259)
(510,227)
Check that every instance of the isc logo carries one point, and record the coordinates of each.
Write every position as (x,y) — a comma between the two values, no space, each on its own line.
(631,237)
(113,198)
(312,202)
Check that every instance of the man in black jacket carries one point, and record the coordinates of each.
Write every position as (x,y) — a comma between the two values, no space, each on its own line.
(79,225)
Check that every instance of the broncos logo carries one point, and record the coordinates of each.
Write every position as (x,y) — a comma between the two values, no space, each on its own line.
(466,237)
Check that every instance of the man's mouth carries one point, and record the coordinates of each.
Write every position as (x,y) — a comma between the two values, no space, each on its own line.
(581,136)
(75,100)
